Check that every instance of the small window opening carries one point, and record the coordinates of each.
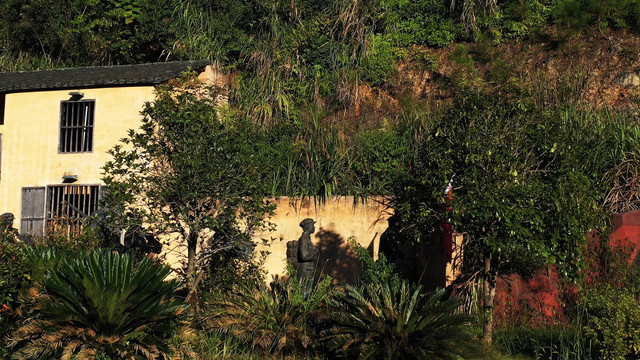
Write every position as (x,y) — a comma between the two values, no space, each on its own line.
(76,126)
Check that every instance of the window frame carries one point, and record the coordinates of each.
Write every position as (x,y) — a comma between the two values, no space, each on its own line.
(3,101)
(71,219)
(64,129)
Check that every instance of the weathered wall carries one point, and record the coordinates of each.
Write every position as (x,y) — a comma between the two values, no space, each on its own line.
(541,299)
(30,137)
(337,220)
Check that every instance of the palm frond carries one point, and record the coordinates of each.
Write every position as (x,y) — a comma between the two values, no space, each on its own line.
(101,302)
(380,321)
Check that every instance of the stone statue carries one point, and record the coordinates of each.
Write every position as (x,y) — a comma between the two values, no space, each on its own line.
(292,255)
(307,256)
(6,227)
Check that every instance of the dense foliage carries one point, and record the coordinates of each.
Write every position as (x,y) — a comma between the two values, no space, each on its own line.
(273,320)
(290,54)
(612,322)
(528,183)
(100,303)
(84,32)
(13,270)
(376,321)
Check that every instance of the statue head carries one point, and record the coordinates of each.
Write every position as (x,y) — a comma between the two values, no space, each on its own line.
(7,219)
(308,225)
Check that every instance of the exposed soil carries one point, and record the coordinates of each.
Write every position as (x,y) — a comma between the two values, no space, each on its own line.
(553,68)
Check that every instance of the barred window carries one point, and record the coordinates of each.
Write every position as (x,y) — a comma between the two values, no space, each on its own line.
(76,126)
(68,205)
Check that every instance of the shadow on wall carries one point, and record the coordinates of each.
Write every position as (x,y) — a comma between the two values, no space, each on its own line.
(424,263)
(336,257)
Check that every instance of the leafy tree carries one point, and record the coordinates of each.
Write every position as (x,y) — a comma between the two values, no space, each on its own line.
(190,173)
(528,185)
(580,14)
(88,32)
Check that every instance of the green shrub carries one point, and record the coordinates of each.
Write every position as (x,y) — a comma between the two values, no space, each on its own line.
(378,66)
(379,322)
(421,22)
(581,14)
(612,322)
(100,303)
(377,272)
(13,274)
(464,74)
(520,18)
(14,271)
(426,59)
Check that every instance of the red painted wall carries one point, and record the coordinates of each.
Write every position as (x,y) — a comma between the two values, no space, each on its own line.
(626,233)
(541,299)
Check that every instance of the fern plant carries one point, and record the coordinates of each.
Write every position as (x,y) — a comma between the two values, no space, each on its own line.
(101,303)
(380,322)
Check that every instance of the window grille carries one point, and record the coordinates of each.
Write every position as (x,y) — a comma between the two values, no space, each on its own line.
(68,205)
(76,126)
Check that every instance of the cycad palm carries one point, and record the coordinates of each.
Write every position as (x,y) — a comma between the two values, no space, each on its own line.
(380,322)
(273,320)
(101,303)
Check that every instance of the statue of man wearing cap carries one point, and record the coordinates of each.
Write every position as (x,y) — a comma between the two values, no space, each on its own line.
(6,227)
(307,255)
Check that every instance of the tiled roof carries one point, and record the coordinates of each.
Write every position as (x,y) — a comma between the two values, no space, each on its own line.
(96,76)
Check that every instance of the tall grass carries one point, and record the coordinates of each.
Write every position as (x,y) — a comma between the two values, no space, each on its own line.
(25,62)
(561,343)
(199,37)
(190,344)
(569,88)
(320,160)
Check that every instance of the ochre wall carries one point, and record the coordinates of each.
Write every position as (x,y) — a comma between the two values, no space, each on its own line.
(337,220)
(30,138)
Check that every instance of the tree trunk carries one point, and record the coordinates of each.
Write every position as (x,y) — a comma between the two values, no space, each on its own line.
(489,294)
(192,247)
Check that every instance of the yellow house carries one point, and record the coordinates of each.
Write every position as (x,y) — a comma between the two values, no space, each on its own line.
(56,127)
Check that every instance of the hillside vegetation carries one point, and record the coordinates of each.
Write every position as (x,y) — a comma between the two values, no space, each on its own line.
(349,82)
(339,54)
